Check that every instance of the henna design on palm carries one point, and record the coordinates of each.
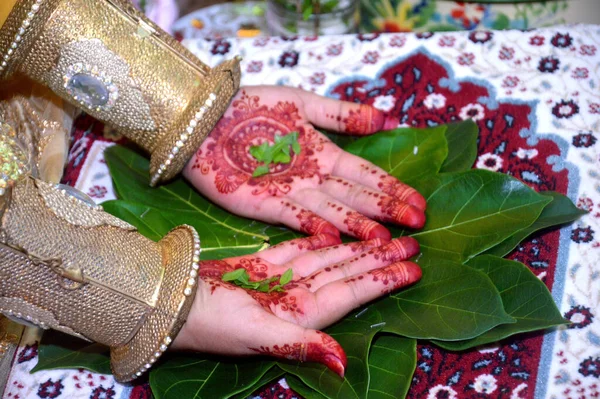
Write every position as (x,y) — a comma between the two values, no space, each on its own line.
(296,193)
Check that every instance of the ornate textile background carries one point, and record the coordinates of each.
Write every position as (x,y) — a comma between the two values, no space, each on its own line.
(535,96)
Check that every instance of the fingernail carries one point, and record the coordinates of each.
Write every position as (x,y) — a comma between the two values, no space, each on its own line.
(417,200)
(335,364)
(328,228)
(410,245)
(412,274)
(390,123)
(379,232)
(414,218)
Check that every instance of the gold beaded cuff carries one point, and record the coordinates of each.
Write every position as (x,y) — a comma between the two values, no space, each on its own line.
(97,278)
(13,159)
(107,58)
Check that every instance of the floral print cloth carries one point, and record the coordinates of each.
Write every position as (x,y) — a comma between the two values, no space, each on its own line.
(535,96)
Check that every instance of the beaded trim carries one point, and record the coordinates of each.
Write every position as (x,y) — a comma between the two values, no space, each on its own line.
(35,7)
(184,137)
(186,292)
(20,316)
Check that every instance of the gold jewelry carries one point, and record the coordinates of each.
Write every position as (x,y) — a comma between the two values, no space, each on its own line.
(127,73)
(63,266)
(13,159)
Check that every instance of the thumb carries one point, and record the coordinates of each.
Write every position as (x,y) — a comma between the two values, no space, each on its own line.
(293,342)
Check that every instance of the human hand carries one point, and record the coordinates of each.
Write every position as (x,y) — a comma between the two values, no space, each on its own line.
(327,284)
(323,189)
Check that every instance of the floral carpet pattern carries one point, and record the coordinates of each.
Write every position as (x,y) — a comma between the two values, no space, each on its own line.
(535,96)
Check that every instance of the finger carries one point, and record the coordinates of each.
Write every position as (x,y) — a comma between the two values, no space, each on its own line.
(241,326)
(338,298)
(357,169)
(374,203)
(346,219)
(344,116)
(396,250)
(284,252)
(299,218)
(307,263)
(285,340)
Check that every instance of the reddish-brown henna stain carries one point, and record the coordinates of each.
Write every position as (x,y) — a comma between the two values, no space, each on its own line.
(396,250)
(327,352)
(281,301)
(226,150)
(211,272)
(363,227)
(311,223)
(366,120)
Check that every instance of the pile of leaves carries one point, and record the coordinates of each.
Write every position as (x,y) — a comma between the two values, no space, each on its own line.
(468,296)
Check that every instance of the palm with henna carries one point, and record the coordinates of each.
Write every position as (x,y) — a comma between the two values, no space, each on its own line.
(323,189)
(328,283)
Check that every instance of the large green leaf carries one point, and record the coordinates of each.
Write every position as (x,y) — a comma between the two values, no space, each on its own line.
(450,302)
(560,211)
(150,222)
(470,212)
(301,388)
(194,377)
(60,351)
(354,334)
(392,362)
(275,373)
(462,146)
(408,154)
(222,234)
(524,296)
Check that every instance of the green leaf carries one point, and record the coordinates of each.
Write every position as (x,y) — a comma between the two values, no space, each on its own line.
(392,362)
(274,374)
(258,151)
(60,351)
(260,171)
(307,12)
(276,153)
(502,22)
(462,146)
(286,277)
(408,154)
(198,377)
(150,222)
(560,211)
(296,147)
(301,388)
(525,298)
(329,6)
(282,157)
(442,305)
(235,275)
(470,212)
(223,234)
(354,334)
